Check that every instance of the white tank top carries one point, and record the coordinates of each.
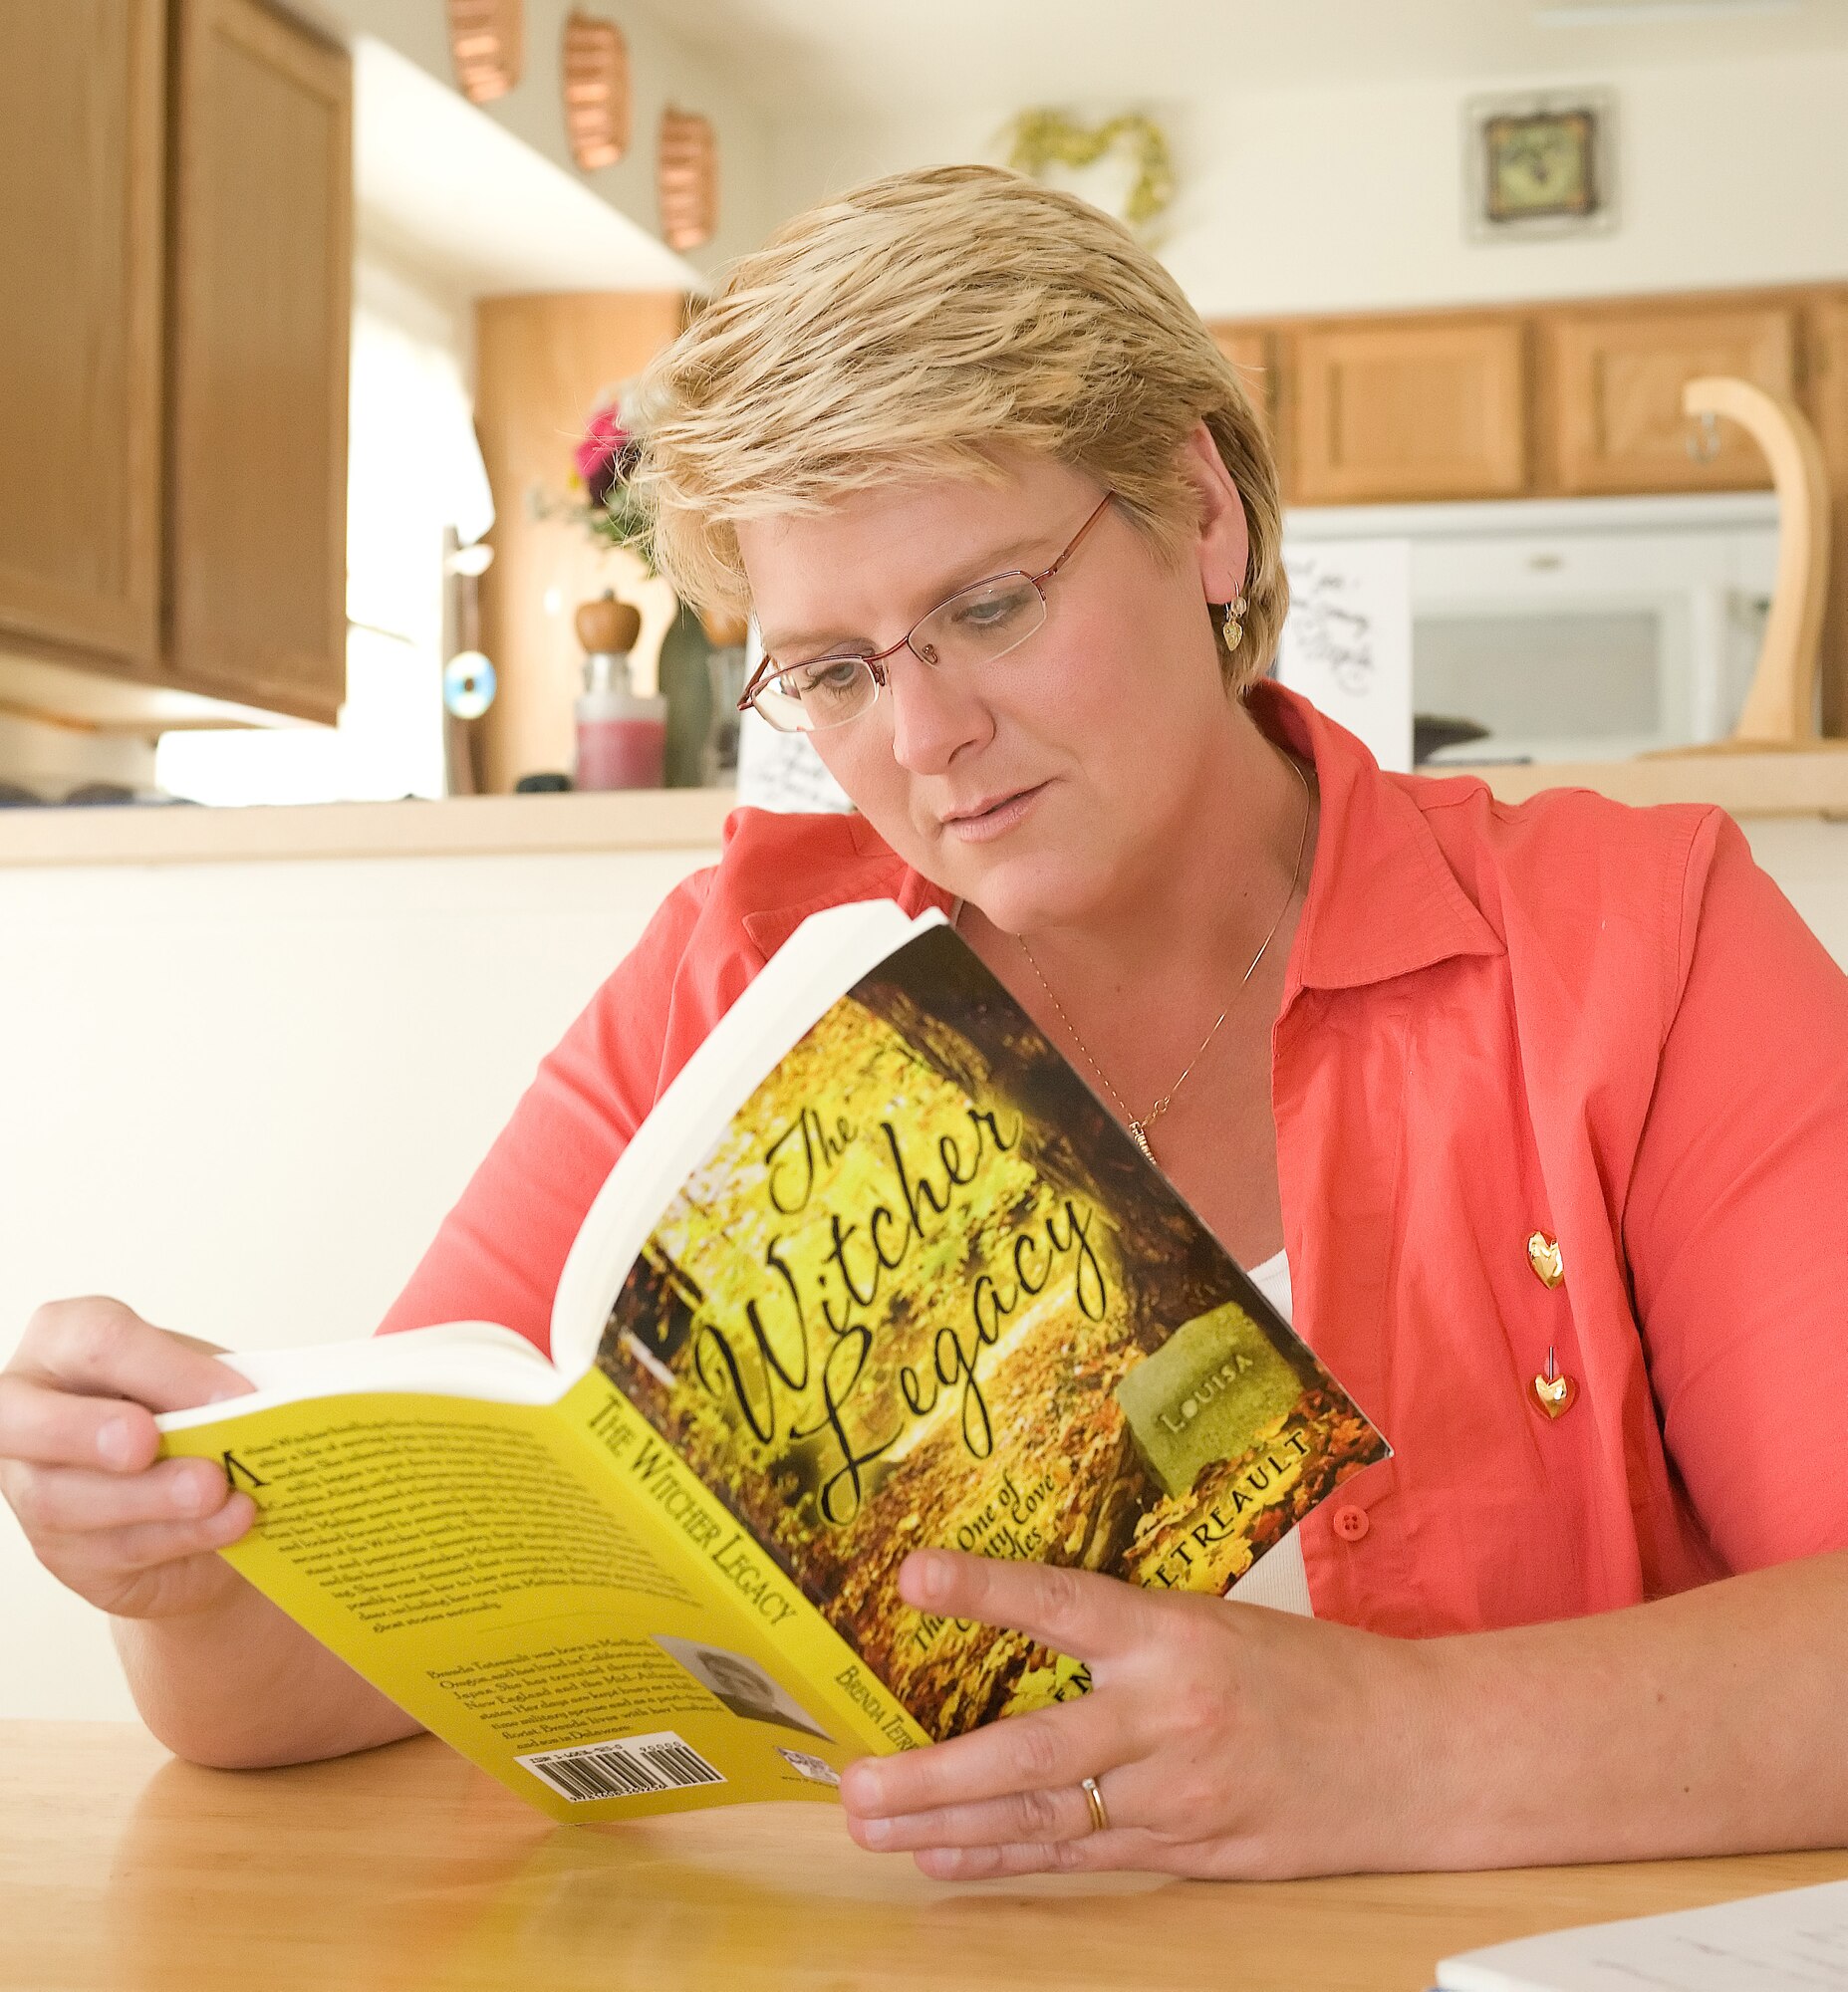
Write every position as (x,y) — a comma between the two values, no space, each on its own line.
(1279,1579)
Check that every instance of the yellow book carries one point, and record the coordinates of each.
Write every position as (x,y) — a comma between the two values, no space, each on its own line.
(879,1271)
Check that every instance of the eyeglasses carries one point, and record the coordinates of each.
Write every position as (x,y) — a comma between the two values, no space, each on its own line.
(976,625)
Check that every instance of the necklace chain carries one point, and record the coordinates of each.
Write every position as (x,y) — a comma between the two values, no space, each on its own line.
(1139,1126)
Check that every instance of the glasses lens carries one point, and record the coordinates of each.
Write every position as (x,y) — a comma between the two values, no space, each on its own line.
(806,698)
(982,624)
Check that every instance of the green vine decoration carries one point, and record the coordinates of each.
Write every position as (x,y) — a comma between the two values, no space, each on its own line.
(1041,138)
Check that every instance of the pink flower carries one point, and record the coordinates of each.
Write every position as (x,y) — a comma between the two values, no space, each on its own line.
(607,454)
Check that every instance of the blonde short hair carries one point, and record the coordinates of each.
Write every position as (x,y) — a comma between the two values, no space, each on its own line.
(927,321)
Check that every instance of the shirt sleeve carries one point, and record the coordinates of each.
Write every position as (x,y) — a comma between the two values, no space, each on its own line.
(1737,1219)
(499,1252)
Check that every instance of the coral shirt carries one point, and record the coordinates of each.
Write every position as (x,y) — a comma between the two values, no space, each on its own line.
(1598,1023)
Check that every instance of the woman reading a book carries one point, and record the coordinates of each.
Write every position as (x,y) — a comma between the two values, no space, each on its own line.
(1537,1117)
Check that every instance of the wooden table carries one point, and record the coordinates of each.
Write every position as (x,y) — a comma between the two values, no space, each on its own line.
(121,1869)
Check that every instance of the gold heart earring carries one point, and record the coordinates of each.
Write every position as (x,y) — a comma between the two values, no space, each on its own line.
(1232,630)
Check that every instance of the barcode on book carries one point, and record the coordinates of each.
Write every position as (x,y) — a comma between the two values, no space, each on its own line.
(631,1769)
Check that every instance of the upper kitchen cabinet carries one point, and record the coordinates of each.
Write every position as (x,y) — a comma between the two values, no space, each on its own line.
(174,200)
(1250,351)
(1422,408)
(257,382)
(82,121)
(1615,391)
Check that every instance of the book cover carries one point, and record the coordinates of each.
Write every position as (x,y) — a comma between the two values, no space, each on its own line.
(924,1290)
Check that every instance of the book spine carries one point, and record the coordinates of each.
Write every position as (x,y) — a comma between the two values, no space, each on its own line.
(700,1539)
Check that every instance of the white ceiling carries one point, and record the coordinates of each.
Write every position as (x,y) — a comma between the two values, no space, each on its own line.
(793,55)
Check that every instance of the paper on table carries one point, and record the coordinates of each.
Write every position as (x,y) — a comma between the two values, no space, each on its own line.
(1793,1941)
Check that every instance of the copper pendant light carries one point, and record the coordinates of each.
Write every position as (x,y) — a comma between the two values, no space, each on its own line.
(686,171)
(596,66)
(487,46)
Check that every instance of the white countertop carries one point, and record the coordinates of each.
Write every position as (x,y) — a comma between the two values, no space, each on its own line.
(1801,782)
(620,820)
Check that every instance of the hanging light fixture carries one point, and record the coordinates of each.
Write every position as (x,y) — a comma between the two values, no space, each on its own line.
(488,41)
(596,91)
(686,175)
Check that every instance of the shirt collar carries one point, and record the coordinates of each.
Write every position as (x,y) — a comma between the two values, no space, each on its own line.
(1382,899)
(869,868)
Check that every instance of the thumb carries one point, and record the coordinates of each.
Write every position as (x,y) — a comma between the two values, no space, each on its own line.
(99,1348)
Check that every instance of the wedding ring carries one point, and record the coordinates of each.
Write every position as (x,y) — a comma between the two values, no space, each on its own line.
(1100,1812)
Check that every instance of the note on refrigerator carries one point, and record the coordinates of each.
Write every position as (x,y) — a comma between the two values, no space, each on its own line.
(1793,1941)
(1347,644)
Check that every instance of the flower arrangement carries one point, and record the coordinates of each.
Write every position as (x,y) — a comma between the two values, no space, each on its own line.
(602,498)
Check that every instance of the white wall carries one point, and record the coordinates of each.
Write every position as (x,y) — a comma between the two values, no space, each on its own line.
(1350,197)
(242,1096)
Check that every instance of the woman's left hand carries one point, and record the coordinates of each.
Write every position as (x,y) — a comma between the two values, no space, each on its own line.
(1226,1740)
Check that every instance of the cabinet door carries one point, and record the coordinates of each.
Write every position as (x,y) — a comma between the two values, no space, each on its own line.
(1617,380)
(261,274)
(82,116)
(1408,410)
(1248,348)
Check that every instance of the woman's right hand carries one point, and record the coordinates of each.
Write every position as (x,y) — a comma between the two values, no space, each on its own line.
(79,1465)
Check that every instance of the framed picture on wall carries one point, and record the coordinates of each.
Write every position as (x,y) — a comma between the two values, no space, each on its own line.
(1542,164)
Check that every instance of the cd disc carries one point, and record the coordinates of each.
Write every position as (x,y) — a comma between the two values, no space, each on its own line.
(468,685)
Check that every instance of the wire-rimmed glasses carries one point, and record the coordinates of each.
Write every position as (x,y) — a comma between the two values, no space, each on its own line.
(976,625)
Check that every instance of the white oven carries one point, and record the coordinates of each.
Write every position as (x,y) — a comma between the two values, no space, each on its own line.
(1577,630)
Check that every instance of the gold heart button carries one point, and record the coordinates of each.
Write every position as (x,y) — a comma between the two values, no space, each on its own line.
(1543,1257)
(1555,1395)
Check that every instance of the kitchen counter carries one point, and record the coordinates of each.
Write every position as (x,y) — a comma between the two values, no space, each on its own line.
(1800,781)
(1811,780)
(461,826)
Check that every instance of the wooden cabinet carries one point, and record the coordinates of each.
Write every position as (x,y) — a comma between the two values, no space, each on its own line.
(1250,351)
(1419,408)
(1616,393)
(540,361)
(262,252)
(82,117)
(175,196)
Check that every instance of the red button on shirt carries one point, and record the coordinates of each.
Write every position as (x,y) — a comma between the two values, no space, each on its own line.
(1351,1523)
(1602,1023)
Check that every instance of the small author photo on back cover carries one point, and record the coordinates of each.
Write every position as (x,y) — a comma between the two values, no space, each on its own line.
(740,1684)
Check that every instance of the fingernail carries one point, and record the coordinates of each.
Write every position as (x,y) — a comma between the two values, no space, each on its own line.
(925,1575)
(113,1442)
(874,1832)
(189,1495)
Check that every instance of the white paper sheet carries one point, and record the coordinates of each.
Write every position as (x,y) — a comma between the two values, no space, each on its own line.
(1347,644)
(780,771)
(1793,1941)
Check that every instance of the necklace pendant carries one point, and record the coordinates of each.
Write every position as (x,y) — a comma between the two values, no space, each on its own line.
(1142,1140)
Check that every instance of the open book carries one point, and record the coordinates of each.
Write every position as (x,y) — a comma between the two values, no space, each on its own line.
(878,1271)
